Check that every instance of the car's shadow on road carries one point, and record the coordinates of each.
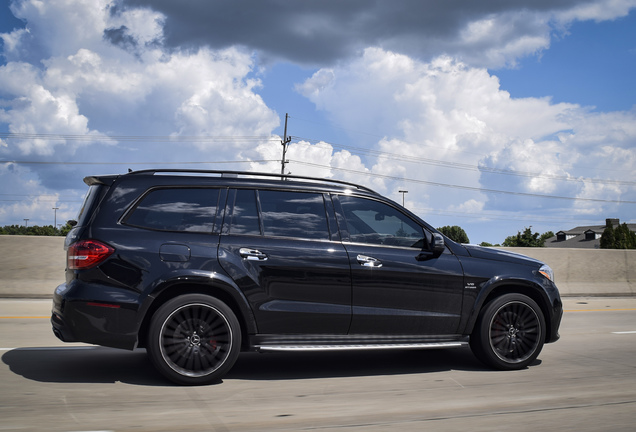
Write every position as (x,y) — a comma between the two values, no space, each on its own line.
(283,366)
(106,365)
(83,365)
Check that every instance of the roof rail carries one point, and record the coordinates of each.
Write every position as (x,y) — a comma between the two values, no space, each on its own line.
(236,174)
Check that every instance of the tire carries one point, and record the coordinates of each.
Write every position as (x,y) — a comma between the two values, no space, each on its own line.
(194,339)
(509,333)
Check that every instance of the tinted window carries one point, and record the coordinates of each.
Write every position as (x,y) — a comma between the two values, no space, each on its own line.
(294,214)
(245,214)
(182,209)
(374,222)
(89,200)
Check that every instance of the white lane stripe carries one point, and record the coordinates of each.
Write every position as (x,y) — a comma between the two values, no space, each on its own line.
(625,332)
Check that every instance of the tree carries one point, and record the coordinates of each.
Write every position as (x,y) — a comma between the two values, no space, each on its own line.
(527,239)
(454,233)
(66,228)
(486,244)
(35,230)
(545,236)
(607,238)
(620,237)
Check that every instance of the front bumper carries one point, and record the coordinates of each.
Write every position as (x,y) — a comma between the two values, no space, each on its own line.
(557,315)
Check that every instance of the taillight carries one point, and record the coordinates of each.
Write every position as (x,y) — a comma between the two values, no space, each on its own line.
(85,254)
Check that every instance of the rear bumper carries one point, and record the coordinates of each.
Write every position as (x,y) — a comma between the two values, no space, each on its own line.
(96,315)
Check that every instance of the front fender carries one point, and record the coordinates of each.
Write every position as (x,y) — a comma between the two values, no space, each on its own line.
(503,284)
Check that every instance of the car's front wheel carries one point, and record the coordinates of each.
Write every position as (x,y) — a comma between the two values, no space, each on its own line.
(194,339)
(509,333)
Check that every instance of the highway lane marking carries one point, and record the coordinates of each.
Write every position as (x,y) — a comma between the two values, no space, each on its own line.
(598,310)
(624,332)
(25,317)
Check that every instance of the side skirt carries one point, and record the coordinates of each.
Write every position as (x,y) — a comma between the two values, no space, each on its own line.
(354,342)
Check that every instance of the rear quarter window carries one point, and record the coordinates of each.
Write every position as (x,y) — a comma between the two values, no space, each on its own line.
(90,200)
(176,209)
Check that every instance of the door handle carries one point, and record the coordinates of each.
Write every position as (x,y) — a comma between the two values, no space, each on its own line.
(368,261)
(252,254)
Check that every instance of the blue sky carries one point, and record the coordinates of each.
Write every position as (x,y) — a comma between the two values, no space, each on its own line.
(591,66)
(494,116)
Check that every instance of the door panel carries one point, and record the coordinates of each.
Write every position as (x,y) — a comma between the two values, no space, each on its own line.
(293,285)
(400,295)
(393,291)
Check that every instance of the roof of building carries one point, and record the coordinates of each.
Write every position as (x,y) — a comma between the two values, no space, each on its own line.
(578,242)
(577,238)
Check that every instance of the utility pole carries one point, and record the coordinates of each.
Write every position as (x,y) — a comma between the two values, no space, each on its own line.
(285,142)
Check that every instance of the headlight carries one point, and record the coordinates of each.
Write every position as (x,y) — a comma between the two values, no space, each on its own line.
(546,271)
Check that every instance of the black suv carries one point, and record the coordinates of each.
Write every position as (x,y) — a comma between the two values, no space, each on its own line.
(197,266)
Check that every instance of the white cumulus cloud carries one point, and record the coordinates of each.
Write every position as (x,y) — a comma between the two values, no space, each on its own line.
(446,122)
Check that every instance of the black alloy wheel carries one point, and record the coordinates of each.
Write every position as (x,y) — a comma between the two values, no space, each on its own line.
(194,339)
(509,333)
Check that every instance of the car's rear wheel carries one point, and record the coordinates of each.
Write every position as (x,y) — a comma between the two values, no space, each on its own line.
(194,339)
(509,333)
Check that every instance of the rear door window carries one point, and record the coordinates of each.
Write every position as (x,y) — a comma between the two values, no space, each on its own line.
(294,214)
(176,209)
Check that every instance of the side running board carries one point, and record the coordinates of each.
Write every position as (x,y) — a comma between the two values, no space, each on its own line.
(344,347)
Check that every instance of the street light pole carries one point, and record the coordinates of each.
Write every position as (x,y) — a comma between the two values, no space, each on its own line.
(55,209)
(403,192)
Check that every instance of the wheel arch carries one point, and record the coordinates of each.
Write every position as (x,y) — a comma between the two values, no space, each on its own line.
(527,288)
(227,293)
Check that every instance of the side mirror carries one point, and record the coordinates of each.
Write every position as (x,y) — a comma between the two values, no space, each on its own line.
(438,245)
(437,248)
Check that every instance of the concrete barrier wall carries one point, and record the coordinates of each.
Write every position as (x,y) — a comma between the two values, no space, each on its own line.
(589,272)
(33,266)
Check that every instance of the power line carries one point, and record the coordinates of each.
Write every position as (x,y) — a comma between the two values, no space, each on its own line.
(396,178)
(471,188)
(483,215)
(23,162)
(47,195)
(40,201)
(140,138)
(468,167)
(376,153)
(411,143)
(260,138)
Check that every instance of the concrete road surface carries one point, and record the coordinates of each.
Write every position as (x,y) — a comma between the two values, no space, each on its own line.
(584,382)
